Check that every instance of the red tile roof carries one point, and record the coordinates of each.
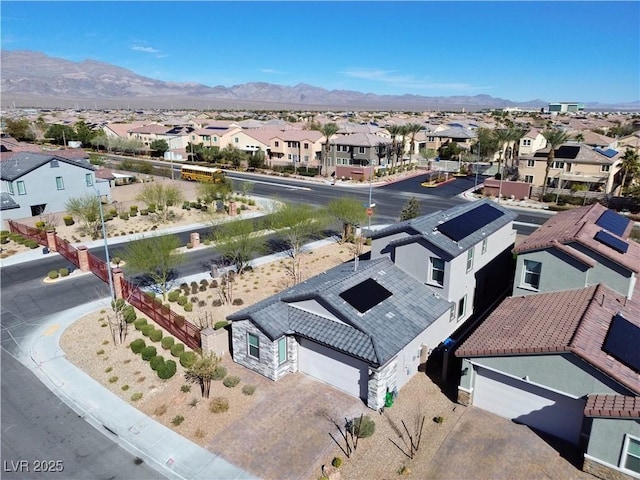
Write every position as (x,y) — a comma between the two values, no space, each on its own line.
(578,226)
(570,321)
(620,406)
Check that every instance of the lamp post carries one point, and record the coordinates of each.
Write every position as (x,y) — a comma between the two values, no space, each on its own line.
(370,204)
(477,166)
(106,245)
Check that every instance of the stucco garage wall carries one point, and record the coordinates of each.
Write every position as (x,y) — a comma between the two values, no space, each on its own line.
(607,438)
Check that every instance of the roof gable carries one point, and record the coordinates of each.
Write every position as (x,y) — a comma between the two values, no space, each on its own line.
(22,163)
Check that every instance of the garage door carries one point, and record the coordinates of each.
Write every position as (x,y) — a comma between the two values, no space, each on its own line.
(523,402)
(335,368)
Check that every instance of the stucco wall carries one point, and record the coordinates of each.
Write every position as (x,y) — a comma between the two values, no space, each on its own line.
(607,438)
(559,272)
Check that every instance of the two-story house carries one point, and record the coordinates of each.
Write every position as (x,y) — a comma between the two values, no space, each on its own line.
(531,142)
(300,148)
(366,327)
(357,156)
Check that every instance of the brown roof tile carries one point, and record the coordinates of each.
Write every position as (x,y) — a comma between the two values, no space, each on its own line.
(621,406)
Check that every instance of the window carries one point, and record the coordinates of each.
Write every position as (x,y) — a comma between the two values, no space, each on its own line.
(462,307)
(59,183)
(605,168)
(306,158)
(631,455)
(282,350)
(557,164)
(54,163)
(470,259)
(236,139)
(253,346)
(431,139)
(10,187)
(484,246)
(528,178)
(437,270)
(306,146)
(361,149)
(531,163)
(215,139)
(531,274)
(276,143)
(452,313)
(89,179)
(22,190)
(526,142)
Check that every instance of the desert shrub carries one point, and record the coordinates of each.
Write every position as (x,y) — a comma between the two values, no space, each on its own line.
(219,373)
(144,212)
(160,410)
(188,307)
(148,352)
(216,303)
(218,405)
(68,220)
(237,301)
(185,388)
(231,381)
(136,396)
(137,345)
(364,428)
(124,216)
(64,272)
(202,303)
(177,349)
(167,370)
(249,389)
(133,208)
(31,244)
(53,274)
(173,296)
(124,388)
(336,462)
(113,379)
(156,362)
(220,324)
(193,402)
(155,335)
(187,359)
(438,419)
(139,323)
(182,300)
(189,245)
(167,343)
(146,330)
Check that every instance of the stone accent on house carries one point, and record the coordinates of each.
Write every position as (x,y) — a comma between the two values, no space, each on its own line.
(601,470)
(215,341)
(465,397)
(195,239)
(380,382)
(83,258)
(267,363)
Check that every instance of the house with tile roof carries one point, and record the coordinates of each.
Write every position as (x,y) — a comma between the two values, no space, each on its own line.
(577,248)
(532,141)
(365,327)
(356,155)
(42,183)
(566,363)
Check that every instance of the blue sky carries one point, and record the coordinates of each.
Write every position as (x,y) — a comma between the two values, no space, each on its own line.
(554,51)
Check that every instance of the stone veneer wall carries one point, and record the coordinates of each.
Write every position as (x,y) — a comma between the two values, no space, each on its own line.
(600,470)
(465,397)
(266,365)
(379,382)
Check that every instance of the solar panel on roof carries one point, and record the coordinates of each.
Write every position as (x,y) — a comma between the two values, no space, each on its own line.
(464,225)
(365,295)
(622,342)
(612,241)
(613,222)
(609,152)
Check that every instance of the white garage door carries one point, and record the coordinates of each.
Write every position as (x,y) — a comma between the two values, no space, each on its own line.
(523,402)
(335,368)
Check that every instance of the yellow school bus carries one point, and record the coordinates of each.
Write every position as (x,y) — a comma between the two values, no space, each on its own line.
(201,174)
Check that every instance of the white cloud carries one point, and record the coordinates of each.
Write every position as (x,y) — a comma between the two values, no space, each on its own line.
(272,71)
(145,49)
(391,78)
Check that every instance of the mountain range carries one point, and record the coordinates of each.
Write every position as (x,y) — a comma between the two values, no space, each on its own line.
(33,79)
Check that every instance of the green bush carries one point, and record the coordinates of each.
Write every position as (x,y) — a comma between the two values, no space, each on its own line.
(146,330)
(173,296)
(136,396)
(155,335)
(167,370)
(148,352)
(365,429)
(137,345)
(177,420)
(219,373)
(31,244)
(139,323)
(218,405)
(220,324)
(167,343)
(231,381)
(53,274)
(249,389)
(156,362)
(144,212)
(336,462)
(68,220)
(182,300)
(237,301)
(124,216)
(188,307)
(177,349)
(64,272)
(187,359)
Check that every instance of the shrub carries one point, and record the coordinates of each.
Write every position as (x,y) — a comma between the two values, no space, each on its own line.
(218,405)
(173,296)
(219,373)
(220,324)
(185,388)
(177,420)
(160,410)
(139,323)
(189,245)
(336,462)
(193,402)
(167,343)
(64,272)
(155,335)
(237,301)
(108,369)
(187,359)
(53,274)
(144,212)
(137,345)
(231,381)
(68,220)
(438,419)
(248,390)
(31,244)
(167,370)
(146,330)
(125,387)
(364,429)
(133,208)
(113,379)
(148,353)
(124,216)
(182,300)
(156,362)
(177,349)
(136,396)
(188,307)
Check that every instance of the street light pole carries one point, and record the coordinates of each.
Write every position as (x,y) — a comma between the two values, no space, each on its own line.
(477,166)
(106,246)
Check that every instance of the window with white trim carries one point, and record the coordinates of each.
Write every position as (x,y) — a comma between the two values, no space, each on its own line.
(469,259)
(361,149)
(89,179)
(282,350)
(22,189)
(59,183)
(306,146)
(630,459)
(526,142)
(484,246)
(557,164)
(253,346)
(437,270)
(462,307)
(528,178)
(236,139)
(531,163)
(605,168)
(276,143)
(531,274)
(10,187)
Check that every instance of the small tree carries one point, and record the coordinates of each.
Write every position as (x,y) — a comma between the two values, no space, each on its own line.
(202,372)
(124,315)
(236,241)
(347,212)
(211,192)
(158,147)
(410,210)
(87,209)
(163,196)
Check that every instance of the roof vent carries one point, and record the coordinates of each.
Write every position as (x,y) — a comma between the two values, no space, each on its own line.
(389,315)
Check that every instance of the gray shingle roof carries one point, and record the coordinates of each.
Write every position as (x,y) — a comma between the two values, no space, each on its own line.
(374,336)
(426,227)
(22,163)
(7,202)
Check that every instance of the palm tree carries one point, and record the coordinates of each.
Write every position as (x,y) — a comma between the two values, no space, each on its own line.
(412,129)
(516,135)
(328,130)
(503,138)
(630,165)
(554,139)
(394,131)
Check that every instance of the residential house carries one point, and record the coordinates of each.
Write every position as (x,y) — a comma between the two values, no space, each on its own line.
(301,148)
(42,183)
(566,363)
(356,155)
(578,248)
(531,142)
(364,327)
(574,164)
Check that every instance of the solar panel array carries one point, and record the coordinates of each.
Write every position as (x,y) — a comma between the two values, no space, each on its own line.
(622,342)
(609,152)
(613,222)
(365,295)
(464,225)
(611,241)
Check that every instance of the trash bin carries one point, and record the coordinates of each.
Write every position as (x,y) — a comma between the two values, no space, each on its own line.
(45,250)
